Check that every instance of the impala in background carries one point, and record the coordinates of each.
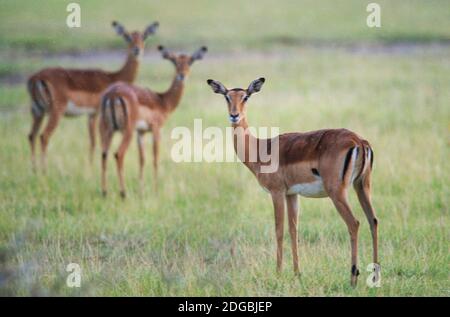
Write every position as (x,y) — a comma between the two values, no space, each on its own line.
(127,107)
(73,92)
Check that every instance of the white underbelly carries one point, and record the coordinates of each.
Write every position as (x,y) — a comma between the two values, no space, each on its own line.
(73,110)
(142,125)
(314,189)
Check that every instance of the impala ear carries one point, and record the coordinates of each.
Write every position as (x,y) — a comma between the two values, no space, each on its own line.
(151,29)
(217,87)
(120,30)
(255,86)
(166,54)
(199,54)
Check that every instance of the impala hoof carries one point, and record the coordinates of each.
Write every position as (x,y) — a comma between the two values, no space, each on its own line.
(104,193)
(354,276)
(123,195)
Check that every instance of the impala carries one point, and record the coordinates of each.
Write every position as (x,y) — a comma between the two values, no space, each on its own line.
(321,163)
(127,107)
(73,92)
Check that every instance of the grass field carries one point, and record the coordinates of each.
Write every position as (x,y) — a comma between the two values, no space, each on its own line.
(210,229)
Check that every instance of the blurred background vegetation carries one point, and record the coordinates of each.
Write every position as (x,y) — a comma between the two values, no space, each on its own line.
(224,25)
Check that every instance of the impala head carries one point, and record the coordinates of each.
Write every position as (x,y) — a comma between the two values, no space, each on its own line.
(237,97)
(182,62)
(135,39)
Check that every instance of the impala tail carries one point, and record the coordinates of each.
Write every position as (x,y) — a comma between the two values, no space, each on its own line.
(115,112)
(40,96)
(358,161)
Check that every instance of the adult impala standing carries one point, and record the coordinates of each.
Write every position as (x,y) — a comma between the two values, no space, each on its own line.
(127,107)
(321,163)
(72,92)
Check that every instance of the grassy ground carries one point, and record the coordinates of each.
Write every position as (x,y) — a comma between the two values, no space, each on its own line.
(210,230)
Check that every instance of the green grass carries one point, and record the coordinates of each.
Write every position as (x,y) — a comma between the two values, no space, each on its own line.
(210,229)
(179,242)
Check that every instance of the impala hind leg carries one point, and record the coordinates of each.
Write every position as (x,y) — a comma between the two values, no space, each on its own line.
(52,123)
(140,142)
(120,154)
(362,188)
(278,206)
(156,140)
(92,122)
(292,207)
(340,201)
(37,122)
(106,136)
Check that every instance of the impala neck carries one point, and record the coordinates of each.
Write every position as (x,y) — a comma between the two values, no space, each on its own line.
(245,140)
(173,95)
(129,70)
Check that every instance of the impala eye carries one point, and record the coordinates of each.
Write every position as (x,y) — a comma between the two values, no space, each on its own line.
(245,98)
(228,98)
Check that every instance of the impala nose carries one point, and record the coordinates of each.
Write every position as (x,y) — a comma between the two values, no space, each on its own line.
(234,118)
(136,51)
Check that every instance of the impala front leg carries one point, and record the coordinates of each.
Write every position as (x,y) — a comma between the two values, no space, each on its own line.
(52,123)
(278,206)
(292,207)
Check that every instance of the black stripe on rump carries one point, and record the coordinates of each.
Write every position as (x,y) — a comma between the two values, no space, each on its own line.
(113,114)
(32,86)
(40,98)
(105,99)
(363,161)
(124,108)
(47,91)
(371,157)
(347,162)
